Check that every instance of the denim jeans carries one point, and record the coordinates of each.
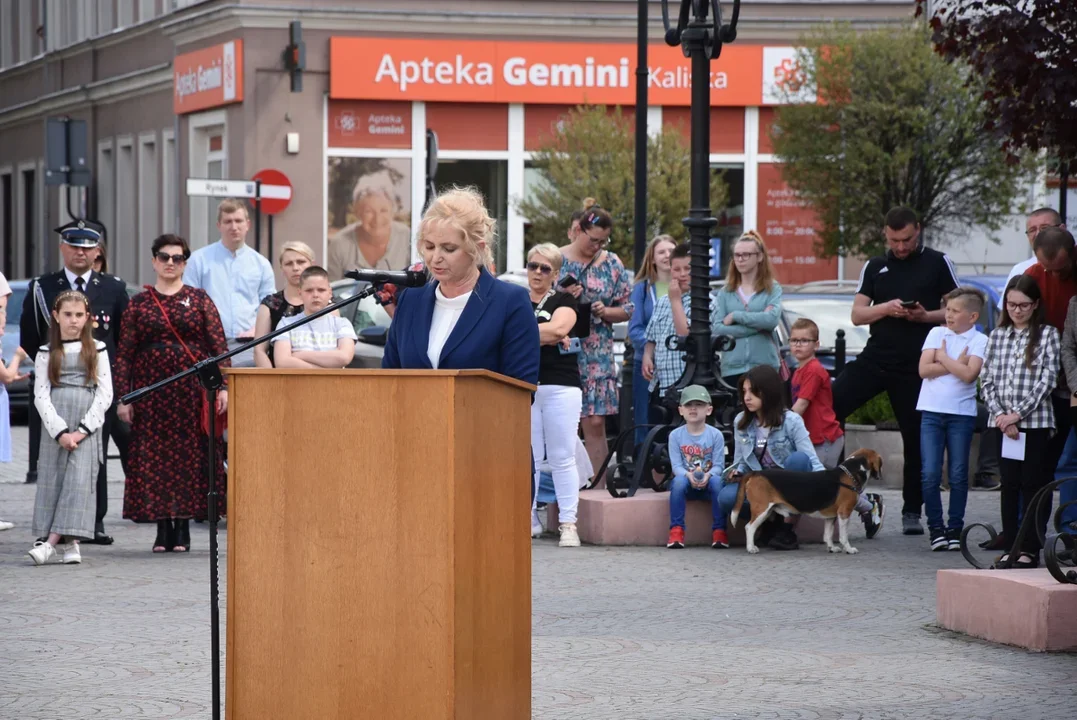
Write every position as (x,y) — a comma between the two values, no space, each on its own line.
(681,491)
(939,431)
(727,496)
(641,401)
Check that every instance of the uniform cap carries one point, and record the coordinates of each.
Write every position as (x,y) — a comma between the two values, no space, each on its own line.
(81,233)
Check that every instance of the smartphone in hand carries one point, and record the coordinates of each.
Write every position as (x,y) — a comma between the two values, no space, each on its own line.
(568,281)
(909,304)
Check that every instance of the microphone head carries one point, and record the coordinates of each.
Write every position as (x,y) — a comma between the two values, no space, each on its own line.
(415,278)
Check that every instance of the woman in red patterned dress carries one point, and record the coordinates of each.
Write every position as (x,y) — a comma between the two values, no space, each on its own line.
(166,477)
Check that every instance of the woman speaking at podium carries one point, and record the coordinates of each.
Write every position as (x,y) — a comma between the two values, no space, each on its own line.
(465,319)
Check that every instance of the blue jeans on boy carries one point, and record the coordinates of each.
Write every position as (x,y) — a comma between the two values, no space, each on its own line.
(939,431)
(681,491)
(727,496)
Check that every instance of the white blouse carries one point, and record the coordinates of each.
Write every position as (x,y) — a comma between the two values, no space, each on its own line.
(447,313)
(95,416)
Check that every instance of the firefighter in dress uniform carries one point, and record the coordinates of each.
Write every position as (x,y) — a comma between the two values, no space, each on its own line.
(108,299)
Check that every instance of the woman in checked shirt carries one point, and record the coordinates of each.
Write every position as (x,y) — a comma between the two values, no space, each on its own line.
(1020,372)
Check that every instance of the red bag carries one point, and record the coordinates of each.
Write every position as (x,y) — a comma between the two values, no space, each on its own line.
(222,418)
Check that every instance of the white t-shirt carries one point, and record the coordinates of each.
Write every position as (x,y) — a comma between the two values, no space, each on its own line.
(1018,269)
(319,335)
(947,394)
(447,313)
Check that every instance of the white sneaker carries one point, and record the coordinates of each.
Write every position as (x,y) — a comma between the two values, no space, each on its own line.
(6,525)
(569,536)
(72,554)
(43,553)
(536,524)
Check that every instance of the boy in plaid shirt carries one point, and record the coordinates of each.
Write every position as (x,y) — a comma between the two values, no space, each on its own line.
(663,367)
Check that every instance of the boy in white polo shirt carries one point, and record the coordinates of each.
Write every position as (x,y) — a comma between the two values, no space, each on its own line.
(949,364)
(328,342)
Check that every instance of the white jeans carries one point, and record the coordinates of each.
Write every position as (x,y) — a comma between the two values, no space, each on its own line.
(555,417)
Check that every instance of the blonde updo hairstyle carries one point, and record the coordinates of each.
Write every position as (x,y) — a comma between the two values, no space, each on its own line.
(462,210)
(297,247)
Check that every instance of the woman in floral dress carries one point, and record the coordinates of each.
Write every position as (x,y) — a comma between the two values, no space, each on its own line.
(603,282)
(163,327)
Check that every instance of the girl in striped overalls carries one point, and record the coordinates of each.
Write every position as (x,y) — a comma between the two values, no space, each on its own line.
(72,391)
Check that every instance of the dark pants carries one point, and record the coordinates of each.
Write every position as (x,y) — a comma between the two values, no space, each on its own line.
(120,432)
(990,442)
(862,380)
(1021,480)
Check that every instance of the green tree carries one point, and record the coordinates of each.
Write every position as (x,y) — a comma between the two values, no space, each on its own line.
(591,155)
(895,124)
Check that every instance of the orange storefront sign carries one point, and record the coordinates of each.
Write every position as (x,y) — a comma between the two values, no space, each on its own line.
(208,78)
(536,73)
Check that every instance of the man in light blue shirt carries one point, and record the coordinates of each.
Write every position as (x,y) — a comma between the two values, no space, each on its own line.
(235,276)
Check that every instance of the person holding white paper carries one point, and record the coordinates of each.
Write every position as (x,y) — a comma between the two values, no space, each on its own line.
(1019,374)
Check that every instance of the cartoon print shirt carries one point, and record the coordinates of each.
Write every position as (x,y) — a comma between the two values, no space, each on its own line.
(688,453)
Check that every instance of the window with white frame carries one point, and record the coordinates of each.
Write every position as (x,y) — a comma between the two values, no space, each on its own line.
(208,158)
(148,204)
(125,10)
(147,10)
(125,235)
(27,46)
(168,182)
(106,17)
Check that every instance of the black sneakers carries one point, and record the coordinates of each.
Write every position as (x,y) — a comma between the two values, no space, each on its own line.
(873,520)
(953,539)
(939,542)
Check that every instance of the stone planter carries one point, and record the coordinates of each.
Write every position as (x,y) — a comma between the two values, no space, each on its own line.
(889,445)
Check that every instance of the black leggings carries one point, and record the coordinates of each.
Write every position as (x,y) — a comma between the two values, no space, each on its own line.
(1021,480)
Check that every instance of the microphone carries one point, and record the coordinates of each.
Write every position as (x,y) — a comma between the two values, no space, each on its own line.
(400,278)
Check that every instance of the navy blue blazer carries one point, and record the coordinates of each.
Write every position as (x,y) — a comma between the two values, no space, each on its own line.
(497,331)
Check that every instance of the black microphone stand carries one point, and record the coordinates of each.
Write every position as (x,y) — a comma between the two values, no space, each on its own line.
(209,376)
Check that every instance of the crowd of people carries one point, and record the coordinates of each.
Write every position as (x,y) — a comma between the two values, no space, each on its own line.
(92,345)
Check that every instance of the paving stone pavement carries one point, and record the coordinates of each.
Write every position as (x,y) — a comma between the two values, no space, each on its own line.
(618,633)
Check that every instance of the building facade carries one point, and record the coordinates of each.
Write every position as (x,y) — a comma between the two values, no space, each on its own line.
(174,89)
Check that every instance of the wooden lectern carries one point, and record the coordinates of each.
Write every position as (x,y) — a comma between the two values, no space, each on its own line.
(379,552)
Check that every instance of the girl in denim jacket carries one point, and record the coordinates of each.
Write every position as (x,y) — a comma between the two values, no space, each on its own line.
(766,435)
(748,309)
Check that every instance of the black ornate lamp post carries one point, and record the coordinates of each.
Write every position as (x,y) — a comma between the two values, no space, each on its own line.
(701,34)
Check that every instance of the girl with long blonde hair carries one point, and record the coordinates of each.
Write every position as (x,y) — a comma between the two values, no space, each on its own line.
(748,308)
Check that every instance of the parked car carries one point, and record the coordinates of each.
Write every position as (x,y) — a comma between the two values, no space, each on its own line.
(830,305)
(19,391)
(370,321)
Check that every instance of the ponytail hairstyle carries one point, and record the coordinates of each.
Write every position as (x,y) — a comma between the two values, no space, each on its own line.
(56,343)
(764,274)
(1027,285)
(594,216)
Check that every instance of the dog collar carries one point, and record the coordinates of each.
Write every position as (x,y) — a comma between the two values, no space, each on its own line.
(848,474)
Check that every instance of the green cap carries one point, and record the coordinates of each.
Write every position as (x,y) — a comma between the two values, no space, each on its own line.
(695,393)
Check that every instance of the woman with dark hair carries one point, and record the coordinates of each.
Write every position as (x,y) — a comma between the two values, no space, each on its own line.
(1019,374)
(599,281)
(100,259)
(166,329)
(767,435)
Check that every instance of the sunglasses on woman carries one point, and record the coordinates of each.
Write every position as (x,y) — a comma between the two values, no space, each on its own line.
(163,257)
(539,267)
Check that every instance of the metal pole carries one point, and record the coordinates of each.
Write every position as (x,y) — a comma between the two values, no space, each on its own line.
(258,215)
(269,233)
(1063,187)
(640,225)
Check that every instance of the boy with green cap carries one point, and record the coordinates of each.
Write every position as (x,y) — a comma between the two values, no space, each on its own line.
(697,453)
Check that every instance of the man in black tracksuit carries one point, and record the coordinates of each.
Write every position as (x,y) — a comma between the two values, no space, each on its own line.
(899,296)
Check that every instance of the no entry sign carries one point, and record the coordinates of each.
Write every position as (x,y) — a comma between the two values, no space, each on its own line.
(276,191)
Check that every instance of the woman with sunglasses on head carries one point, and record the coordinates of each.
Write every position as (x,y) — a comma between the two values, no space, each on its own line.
(166,329)
(556,410)
(747,309)
(598,280)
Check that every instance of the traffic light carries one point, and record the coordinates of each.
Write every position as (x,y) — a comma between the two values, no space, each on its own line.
(295,55)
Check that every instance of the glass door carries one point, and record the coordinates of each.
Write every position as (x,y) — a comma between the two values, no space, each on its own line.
(489,177)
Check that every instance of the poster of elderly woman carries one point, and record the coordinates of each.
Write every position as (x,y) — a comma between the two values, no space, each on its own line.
(369,214)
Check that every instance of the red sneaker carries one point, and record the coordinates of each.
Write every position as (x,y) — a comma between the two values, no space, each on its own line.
(676,537)
(719,539)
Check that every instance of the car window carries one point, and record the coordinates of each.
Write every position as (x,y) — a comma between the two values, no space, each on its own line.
(14,306)
(830,316)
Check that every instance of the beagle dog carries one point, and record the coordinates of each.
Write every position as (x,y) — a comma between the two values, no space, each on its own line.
(828,494)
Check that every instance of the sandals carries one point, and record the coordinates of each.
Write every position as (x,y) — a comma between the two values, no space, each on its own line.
(165,540)
(1025,561)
